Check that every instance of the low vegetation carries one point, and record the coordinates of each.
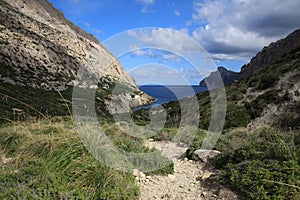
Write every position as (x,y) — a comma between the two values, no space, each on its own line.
(43,156)
(46,159)
(261,165)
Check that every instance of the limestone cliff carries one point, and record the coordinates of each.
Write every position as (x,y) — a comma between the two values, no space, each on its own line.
(271,54)
(41,49)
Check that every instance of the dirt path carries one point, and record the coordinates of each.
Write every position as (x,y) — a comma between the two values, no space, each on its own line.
(191,180)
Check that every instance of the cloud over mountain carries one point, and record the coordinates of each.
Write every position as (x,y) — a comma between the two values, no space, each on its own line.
(237,29)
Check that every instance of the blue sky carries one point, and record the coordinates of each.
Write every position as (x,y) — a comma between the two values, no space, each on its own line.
(231,31)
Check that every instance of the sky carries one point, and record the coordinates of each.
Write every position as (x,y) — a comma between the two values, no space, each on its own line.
(163,33)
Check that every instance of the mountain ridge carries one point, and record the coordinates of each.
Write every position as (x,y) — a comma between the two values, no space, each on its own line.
(271,54)
(227,76)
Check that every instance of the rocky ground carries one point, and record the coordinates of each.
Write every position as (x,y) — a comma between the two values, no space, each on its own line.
(288,85)
(191,179)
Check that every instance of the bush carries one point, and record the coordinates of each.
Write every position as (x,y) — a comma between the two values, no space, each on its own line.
(256,106)
(267,80)
(236,116)
(265,166)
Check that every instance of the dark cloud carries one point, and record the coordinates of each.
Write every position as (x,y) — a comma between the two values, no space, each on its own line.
(237,27)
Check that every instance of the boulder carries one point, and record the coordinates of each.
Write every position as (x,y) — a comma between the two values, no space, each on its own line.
(203,155)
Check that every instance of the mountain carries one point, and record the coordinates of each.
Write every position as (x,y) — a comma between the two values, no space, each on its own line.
(271,54)
(227,76)
(264,94)
(40,50)
(260,139)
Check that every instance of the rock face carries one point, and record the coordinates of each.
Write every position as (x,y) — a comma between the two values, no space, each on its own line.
(227,76)
(271,54)
(204,155)
(40,49)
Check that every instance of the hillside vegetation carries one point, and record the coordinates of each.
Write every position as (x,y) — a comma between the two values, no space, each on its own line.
(261,139)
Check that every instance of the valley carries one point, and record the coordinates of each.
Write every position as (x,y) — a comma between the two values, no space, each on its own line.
(63,95)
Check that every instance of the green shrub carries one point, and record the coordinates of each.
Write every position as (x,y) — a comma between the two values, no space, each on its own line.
(265,166)
(256,106)
(236,116)
(267,81)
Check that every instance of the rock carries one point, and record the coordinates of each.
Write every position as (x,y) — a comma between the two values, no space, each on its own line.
(206,175)
(227,76)
(174,151)
(142,175)
(171,176)
(138,174)
(204,155)
(271,54)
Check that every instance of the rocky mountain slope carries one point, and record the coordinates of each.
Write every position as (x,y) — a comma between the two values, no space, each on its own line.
(273,80)
(271,54)
(226,75)
(40,49)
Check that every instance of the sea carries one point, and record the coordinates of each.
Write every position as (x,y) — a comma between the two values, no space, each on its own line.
(167,93)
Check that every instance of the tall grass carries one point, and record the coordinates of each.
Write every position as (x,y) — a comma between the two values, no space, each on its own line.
(48,161)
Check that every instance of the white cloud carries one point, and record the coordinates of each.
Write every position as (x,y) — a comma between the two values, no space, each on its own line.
(157,73)
(165,39)
(163,74)
(88,25)
(189,23)
(97,31)
(146,2)
(135,51)
(170,57)
(236,29)
(191,73)
(145,10)
(170,47)
(176,12)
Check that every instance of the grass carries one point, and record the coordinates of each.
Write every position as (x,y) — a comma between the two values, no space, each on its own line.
(47,158)
(49,161)
(17,102)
